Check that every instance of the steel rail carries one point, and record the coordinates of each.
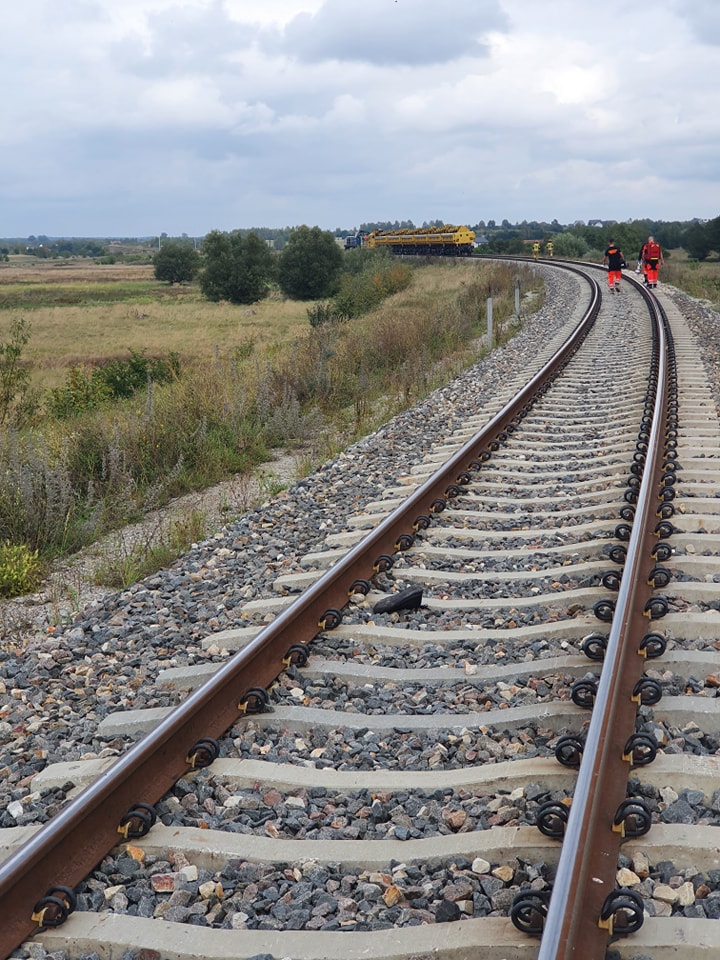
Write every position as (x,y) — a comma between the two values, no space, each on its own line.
(589,857)
(62,852)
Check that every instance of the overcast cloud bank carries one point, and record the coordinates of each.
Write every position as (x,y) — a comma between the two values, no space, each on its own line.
(150,116)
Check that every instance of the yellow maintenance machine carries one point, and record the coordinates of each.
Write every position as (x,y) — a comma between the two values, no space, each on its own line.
(433,241)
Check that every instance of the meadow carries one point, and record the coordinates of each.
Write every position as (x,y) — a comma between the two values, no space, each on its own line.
(699,280)
(250,380)
(87,314)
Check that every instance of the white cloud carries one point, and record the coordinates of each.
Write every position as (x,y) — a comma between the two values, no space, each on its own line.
(271,12)
(702,17)
(391,32)
(227,113)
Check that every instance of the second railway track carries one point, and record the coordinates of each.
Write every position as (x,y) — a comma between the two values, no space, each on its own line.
(387,803)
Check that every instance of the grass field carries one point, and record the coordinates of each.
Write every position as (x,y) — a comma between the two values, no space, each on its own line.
(699,280)
(251,379)
(82,315)
(38,272)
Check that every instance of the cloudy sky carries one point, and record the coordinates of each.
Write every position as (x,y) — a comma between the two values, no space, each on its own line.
(136,117)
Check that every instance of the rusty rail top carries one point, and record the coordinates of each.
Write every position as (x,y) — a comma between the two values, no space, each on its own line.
(574,926)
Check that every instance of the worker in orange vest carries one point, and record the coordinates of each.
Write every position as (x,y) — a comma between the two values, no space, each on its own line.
(652,259)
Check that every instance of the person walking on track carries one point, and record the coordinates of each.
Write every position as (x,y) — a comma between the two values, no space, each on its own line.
(652,258)
(616,261)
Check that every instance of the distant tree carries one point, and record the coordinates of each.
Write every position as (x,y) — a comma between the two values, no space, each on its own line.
(699,241)
(77,248)
(626,235)
(386,225)
(571,246)
(510,245)
(176,263)
(309,267)
(713,228)
(237,267)
(670,235)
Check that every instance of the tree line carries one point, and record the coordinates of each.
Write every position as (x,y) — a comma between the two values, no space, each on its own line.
(240,267)
(46,249)
(701,240)
(184,258)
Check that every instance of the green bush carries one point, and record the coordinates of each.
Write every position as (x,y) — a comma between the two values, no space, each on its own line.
(20,569)
(310,264)
(362,259)
(124,378)
(18,403)
(237,267)
(570,246)
(362,292)
(321,313)
(115,380)
(81,391)
(176,262)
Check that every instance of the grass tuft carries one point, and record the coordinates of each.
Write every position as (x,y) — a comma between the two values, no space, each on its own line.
(20,569)
(126,561)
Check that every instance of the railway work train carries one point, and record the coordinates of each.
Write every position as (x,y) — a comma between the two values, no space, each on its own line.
(434,241)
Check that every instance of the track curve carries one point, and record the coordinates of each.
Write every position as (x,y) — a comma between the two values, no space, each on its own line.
(422,740)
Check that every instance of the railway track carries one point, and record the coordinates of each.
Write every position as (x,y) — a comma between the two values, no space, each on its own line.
(418,778)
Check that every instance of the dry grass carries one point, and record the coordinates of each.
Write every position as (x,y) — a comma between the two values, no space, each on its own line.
(415,341)
(440,283)
(253,379)
(29,270)
(151,318)
(700,280)
(63,337)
